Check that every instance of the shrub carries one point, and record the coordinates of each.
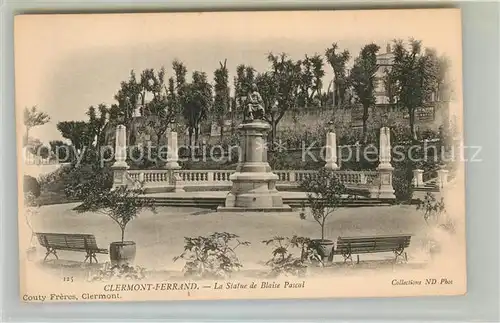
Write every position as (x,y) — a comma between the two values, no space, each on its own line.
(31,186)
(83,180)
(431,208)
(283,262)
(118,272)
(402,182)
(211,257)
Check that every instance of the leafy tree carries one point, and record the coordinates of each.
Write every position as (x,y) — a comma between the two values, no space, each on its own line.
(362,78)
(415,73)
(96,125)
(196,100)
(222,96)
(311,82)
(245,76)
(33,118)
(60,149)
(162,106)
(279,88)
(324,195)
(120,204)
(77,132)
(338,63)
(128,98)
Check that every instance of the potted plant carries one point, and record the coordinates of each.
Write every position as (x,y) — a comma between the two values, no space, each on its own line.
(121,204)
(324,195)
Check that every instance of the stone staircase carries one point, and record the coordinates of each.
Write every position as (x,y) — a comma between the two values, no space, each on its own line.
(429,186)
(214,202)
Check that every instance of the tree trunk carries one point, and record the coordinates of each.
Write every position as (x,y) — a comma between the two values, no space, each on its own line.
(365,126)
(412,123)
(123,233)
(274,125)
(190,134)
(196,135)
(222,130)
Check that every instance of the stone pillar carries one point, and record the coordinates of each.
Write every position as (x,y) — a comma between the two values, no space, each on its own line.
(418,179)
(331,151)
(120,166)
(442,178)
(172,152)
(254,183)
(386,191)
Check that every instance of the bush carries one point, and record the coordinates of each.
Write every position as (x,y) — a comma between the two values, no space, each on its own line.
(402,182)
(283,262)
(31,186)
(211,257)
(109,272)
(85,179)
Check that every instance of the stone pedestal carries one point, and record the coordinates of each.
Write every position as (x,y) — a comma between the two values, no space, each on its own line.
(331,151)
(172,152)
(120,166)
(442,178)
(254,184)
(386,190)
(418,179)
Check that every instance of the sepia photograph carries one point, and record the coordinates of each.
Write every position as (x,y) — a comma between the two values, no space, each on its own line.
(240,155)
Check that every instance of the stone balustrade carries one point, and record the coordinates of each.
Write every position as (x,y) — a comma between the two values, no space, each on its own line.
(172,178)
(161,177)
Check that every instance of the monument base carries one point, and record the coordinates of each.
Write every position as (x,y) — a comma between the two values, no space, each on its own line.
(283,208)
(254,192)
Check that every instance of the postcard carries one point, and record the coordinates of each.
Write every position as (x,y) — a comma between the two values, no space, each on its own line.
(240,155)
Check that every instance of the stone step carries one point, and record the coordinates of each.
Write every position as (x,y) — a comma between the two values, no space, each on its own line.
(213,203)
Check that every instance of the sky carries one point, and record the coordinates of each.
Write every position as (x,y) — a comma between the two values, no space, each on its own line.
(66,63)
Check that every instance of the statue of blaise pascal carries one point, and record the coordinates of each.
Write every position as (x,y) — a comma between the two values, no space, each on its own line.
(255,105)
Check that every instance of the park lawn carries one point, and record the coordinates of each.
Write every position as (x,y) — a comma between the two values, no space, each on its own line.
(160,236)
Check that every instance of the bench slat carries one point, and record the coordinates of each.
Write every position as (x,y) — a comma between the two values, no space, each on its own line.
(69,241)
(373,244)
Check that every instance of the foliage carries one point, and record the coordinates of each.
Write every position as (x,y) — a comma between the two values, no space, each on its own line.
(83,181)
(163,106)
(110,272)
(283,262)
(311,80)
(121,204)
(279,88)
(324,195)
(222,95)
(33,118)
(338,62)
(78,132)
(431,207)
(196,100)
(211,257)
(362,79)
(415,75)
(245,76)
(31,186)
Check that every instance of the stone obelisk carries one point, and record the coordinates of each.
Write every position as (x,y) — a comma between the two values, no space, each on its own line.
(254,184)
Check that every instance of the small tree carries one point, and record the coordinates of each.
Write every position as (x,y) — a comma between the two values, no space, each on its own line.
(32,118)
(121,204)
(324,195)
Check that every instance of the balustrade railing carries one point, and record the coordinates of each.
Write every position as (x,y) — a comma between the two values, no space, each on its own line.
(202,177)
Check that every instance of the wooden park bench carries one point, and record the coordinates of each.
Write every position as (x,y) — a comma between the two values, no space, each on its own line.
(70,242)
(348,246)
